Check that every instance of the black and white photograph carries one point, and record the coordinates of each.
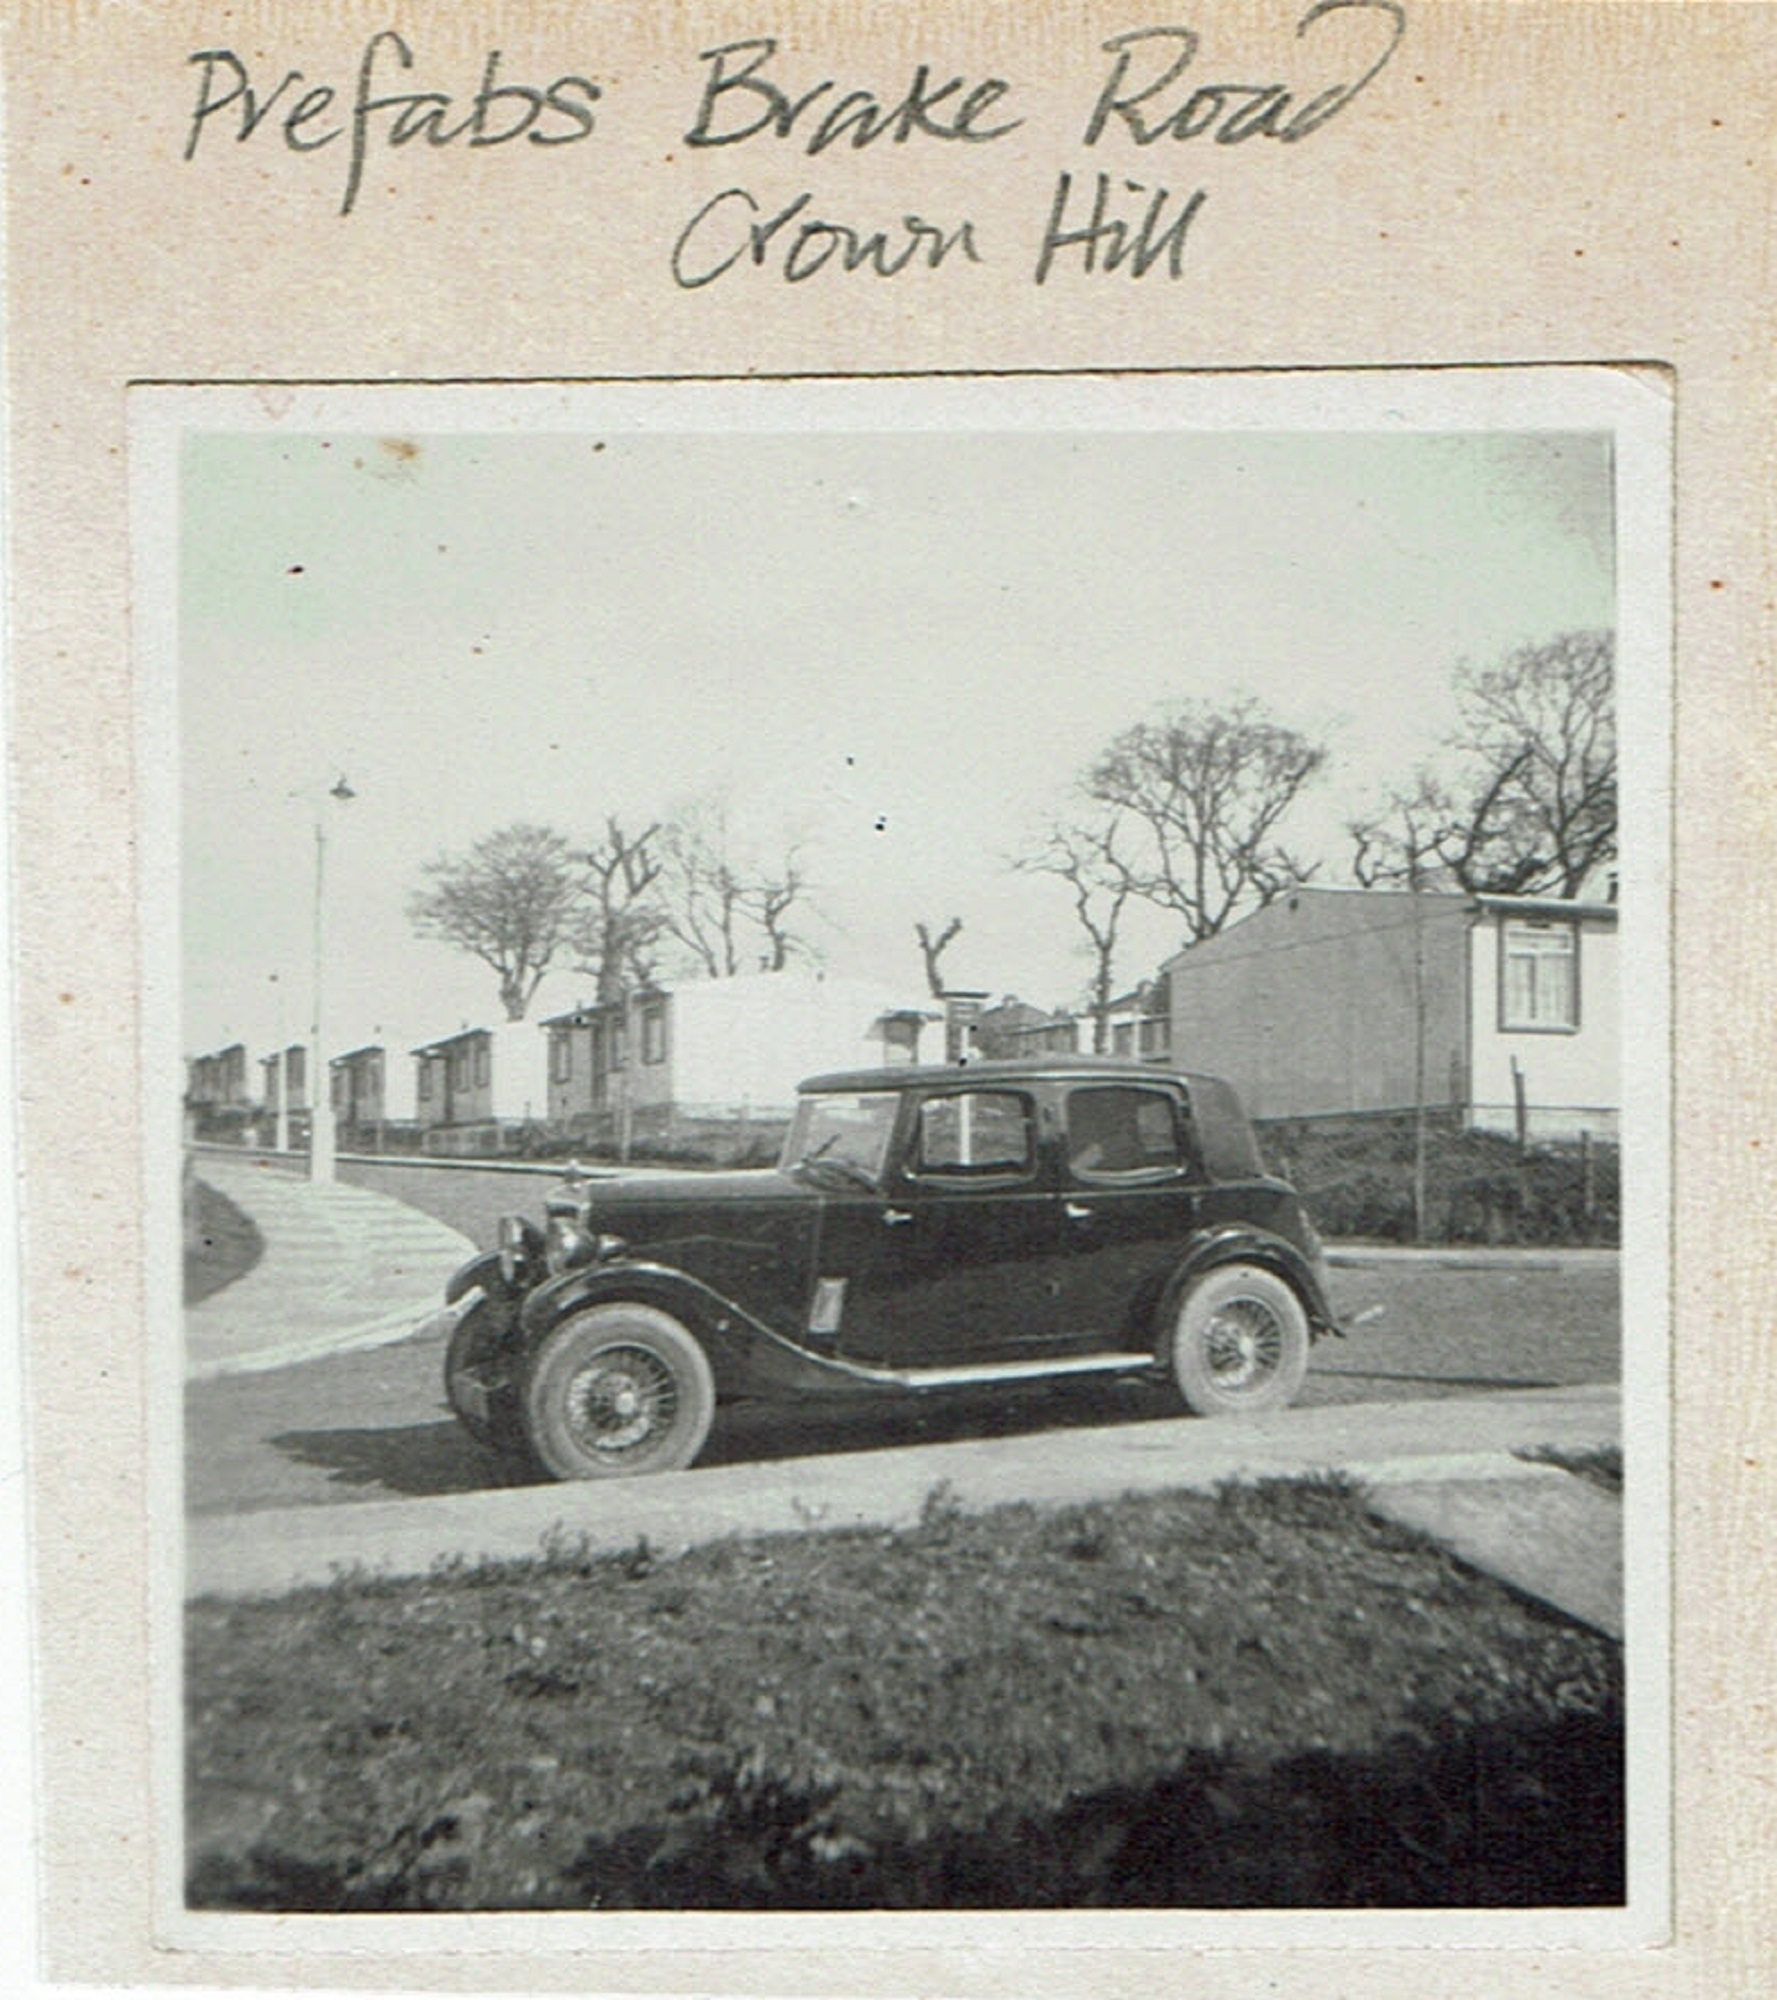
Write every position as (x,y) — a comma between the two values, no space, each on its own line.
(911,1149)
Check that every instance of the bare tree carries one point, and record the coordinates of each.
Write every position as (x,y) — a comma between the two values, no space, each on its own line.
(932,949)
(510,901)
(769,902)
(728,915)
(1541,731)
(1530,805)
(1403,844)
(1202,791)
(622,921)
(1083,852)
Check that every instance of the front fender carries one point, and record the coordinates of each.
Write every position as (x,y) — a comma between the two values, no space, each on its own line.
(482,1271)
(723,1330)
(1235,1244)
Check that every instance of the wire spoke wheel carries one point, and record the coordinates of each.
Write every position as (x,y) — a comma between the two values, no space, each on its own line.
(1244,1345)
(621,1400)
(617,1390)
(1240,1342)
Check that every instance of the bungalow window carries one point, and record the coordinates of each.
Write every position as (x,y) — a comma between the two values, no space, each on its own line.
(1539,976)
(459,1067)
(481,1063)
(653,1034)
(425,1083)
(561,1057)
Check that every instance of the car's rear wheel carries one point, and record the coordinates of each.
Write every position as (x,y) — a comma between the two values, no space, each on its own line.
(478,1380)
(1239,1342)
(618,1390)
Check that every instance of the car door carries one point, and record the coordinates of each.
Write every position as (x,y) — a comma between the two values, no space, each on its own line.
(1131,1189)
(956,1263)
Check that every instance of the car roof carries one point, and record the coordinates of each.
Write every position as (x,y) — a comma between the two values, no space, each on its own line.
(906,1076)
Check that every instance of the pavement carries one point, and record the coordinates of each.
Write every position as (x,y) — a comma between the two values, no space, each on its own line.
(343,1268)
(346,1268)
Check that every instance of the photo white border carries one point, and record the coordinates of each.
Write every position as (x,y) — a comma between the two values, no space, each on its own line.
(1635,404)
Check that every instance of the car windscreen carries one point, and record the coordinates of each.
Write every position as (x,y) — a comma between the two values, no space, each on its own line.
(846,1131)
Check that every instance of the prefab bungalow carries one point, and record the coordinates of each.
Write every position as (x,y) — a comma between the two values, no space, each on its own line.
(480,1090)
(659,1065)
(285,1080)
(1139,1023)
(1014,1028)
(1501,1010)
(219,1080)
(218,1103)
(373,1097)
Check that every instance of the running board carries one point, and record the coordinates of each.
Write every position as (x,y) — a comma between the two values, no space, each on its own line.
(984,1373)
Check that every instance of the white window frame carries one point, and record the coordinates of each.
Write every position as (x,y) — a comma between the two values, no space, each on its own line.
(1536,939)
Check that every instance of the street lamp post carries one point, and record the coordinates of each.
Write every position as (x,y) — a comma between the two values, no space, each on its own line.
(280,1073)
(321,1133)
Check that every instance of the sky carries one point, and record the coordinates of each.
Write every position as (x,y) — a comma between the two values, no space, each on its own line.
(895,650)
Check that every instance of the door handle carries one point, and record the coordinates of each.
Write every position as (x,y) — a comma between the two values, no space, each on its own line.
(1077,1211)
(891,1216)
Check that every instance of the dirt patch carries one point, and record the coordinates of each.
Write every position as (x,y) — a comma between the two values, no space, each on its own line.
(1260,1697)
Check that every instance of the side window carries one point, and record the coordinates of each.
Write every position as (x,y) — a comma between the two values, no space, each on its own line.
(971,1133)
(1539,977)
(1116,1131)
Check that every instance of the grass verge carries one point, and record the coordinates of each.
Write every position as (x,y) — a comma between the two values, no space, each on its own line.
(1262,1697)
(221,1243)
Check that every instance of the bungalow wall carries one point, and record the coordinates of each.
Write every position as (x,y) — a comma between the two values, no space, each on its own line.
(285,1078)
(599,1058)
(1543,995)
(1308,1006)
(374,1086)
(219,1080)
(483,1075)
(749,1041)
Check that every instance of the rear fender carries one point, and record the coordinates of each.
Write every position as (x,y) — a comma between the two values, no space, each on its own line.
(1236,1245)
(719,1327)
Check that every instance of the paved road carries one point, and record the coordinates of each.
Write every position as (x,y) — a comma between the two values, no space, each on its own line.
(371,1426)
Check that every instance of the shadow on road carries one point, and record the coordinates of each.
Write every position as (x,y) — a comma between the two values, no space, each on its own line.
(419,1461)
(407,1461)
(1445,1385)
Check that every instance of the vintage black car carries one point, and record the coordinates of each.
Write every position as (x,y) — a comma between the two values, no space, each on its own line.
(925,1230)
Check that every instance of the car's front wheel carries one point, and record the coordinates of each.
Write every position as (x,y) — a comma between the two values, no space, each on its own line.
(618,1390)
(478,1380)
(1239,1342)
